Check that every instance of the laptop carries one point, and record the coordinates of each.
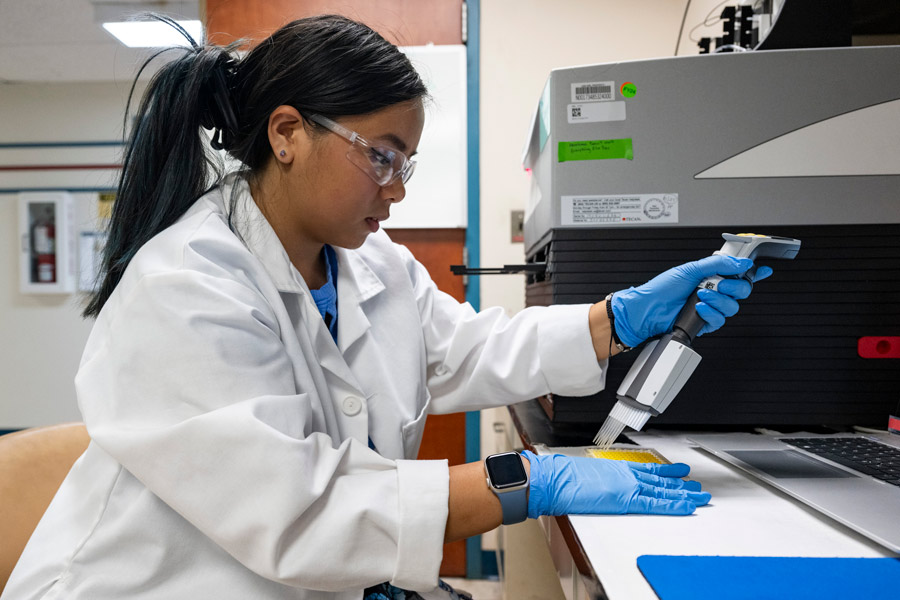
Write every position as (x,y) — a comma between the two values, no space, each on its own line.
(852,478)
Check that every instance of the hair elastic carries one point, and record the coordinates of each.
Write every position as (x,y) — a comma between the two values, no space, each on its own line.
(222,101)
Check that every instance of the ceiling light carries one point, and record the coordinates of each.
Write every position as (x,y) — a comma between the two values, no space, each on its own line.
(148,34)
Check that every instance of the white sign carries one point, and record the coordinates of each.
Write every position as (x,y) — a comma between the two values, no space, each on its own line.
(437,195)
(644,209)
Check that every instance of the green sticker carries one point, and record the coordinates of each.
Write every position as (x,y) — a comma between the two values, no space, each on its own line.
(628,89)
(596,150)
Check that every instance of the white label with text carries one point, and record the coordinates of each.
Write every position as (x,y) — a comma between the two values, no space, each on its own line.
(624,209)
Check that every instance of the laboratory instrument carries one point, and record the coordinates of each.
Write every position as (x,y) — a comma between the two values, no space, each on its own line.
(635,166)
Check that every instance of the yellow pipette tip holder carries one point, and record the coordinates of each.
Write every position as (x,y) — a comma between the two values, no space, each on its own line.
(629,453)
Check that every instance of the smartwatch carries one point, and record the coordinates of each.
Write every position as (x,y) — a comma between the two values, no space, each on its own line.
(507,478)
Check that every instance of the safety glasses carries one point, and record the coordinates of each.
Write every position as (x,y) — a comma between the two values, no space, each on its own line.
(382,163)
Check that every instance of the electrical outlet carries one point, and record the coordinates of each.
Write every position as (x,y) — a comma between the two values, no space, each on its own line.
(517,226)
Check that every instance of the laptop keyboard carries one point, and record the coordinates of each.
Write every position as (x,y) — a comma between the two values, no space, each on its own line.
(860,454)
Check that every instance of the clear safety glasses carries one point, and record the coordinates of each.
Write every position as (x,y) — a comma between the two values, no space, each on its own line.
(382,163)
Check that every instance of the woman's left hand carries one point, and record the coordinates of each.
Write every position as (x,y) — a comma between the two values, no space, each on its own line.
(651,309)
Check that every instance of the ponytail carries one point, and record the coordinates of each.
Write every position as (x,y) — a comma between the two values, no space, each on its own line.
(167,164)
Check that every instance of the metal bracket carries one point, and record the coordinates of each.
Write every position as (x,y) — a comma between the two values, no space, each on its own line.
(504,270)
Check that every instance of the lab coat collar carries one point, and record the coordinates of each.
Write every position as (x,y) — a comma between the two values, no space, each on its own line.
(259,237)
(357,282)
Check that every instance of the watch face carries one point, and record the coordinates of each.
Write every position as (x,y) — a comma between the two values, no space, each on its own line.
(506,470)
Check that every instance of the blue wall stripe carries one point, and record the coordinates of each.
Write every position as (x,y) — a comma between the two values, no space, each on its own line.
(82,144)
(57,144)
(473,229)
(474,556)
(55,189)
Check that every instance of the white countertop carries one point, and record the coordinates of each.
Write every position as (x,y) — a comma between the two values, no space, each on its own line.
(744,518)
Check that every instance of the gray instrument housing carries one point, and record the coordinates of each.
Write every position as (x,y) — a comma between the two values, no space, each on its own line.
(689,114)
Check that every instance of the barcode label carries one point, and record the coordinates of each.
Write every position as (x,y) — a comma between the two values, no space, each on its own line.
(593,91)
(590,91)
(593,112)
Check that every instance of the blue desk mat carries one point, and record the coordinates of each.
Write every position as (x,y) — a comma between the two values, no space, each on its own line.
(769,577)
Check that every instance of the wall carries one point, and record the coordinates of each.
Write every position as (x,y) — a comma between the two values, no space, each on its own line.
(43,335)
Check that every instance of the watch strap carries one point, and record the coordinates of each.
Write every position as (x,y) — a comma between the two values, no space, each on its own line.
(613,336)
(515,505)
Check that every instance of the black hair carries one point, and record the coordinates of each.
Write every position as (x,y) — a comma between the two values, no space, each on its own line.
(327,64)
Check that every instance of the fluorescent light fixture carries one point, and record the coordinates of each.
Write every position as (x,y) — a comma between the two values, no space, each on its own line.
(149,34)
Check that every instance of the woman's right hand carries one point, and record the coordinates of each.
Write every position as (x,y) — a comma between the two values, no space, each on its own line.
(566,485)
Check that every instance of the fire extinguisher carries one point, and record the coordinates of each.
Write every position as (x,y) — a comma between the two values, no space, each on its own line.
(44,244)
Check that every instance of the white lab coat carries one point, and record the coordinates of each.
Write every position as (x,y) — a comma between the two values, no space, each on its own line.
(229,454)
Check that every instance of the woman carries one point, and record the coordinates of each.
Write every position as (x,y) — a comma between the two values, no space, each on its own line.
(263,358)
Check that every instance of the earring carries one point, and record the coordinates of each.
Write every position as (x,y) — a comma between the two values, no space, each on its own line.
(282,154)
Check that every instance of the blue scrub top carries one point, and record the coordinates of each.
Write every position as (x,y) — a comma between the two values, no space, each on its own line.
(326,296)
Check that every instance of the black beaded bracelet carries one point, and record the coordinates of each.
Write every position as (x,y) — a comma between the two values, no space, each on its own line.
(612,326)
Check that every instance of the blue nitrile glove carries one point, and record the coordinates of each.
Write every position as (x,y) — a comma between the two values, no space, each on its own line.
(570,485)
(650,310)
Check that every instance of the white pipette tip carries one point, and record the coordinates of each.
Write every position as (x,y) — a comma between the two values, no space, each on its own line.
(608,433)
(620,416)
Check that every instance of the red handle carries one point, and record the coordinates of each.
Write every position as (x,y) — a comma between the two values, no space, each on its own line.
(875,346)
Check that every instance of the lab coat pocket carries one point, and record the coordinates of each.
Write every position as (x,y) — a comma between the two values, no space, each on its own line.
(413,431)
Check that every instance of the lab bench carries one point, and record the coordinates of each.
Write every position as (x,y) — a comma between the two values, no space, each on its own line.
(595,557)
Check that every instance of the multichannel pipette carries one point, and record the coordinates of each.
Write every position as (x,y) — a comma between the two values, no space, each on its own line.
(666,363)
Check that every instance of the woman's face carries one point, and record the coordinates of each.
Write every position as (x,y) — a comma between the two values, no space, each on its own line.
(330,200)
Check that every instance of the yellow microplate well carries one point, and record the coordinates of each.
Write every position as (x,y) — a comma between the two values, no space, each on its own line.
(629,453)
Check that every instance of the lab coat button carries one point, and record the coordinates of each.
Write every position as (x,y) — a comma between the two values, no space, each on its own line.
(352,405)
